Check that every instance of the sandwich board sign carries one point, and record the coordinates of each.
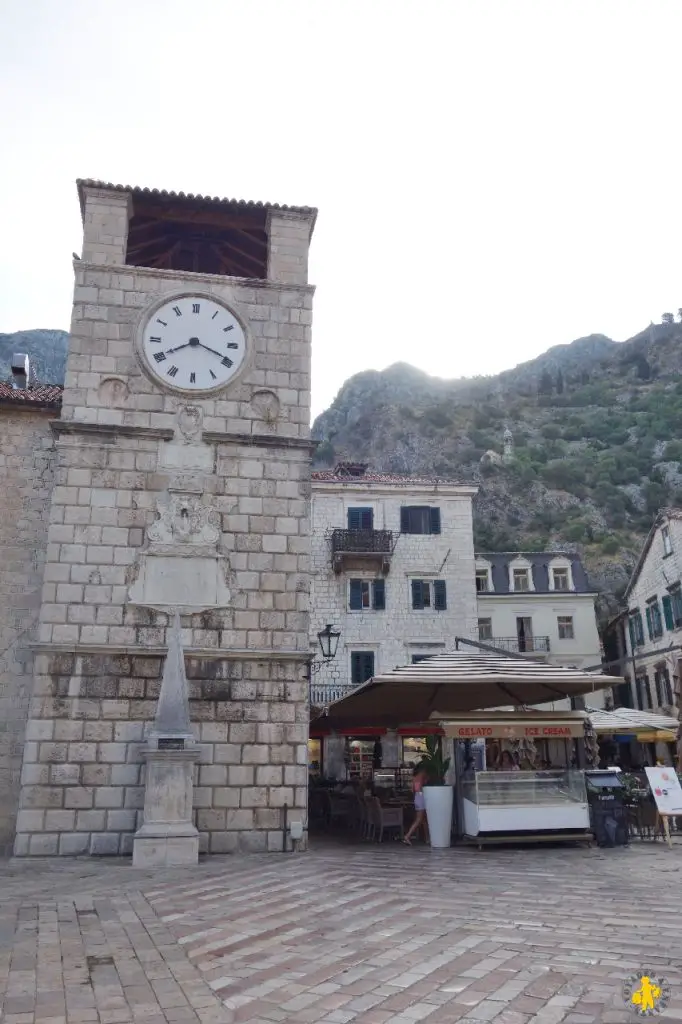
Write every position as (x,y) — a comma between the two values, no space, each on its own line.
(667,793)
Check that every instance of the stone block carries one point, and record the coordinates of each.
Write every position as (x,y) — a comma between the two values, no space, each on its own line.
(253,842)
(30,821)
(73,844)
(96,774)
(112,753)
(270,818)
(213,775)
(269,775)
(78,797)
(240,775)
(223,842)
(82,752)
(238,820)
(227,753)
(44,845)
(121,821)
(226,796)
(109,796)
(256,796)
(104,844)
(125,774)
(89,821)
(60,821)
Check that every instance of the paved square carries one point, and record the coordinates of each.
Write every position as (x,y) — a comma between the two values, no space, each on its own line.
(369,934)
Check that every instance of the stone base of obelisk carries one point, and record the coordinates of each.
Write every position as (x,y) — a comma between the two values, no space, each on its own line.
(167,837)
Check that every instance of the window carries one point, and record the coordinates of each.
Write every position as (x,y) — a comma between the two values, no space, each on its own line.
(360,519)
(667,543)
(485,629)
(361,666)
(429,594)
(636,629)
(664,693)
(565,625)
(676,604)
(367,594)
(521,579)
(561,579)
(482,581)
(643,692)
(653,619)
(419,519)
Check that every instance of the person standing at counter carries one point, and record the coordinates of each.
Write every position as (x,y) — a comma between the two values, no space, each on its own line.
(507,763)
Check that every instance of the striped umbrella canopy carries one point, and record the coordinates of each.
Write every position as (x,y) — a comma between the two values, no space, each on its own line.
(447,684)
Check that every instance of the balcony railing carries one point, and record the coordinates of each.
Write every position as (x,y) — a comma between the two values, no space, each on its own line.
(373,544)
(322,694)
(518,645)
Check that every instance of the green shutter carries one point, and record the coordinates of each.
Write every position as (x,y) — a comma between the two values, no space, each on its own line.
(439,595)
(355,595)
(360,519)
(631,629)
(404,519)
(668,612)
(417,594)
(379,595)
(649,622)
(435,520)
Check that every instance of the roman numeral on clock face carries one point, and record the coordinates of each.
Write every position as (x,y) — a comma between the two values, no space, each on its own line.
(192,378)
(195,307)
(233,344)
(213,374)
(177,310)
(173,371)
(162,322)
(227,361)
(155,340)
(230,328)
(159,356)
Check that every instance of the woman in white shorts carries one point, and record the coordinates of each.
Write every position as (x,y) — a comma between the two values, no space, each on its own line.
(418,783)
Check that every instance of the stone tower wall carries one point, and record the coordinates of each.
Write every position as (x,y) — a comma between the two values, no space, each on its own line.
(26,472)
(121,452)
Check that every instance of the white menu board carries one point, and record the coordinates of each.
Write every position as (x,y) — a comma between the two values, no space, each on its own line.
(666,788)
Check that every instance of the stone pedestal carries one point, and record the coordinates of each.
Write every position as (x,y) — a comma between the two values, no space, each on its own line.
(168,837)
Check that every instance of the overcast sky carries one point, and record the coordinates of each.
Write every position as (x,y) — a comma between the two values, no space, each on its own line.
(493,177)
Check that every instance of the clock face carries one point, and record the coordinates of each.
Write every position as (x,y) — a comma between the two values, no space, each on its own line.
(193,344)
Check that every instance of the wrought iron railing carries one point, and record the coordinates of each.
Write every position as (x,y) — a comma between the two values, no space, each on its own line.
(519,645)
(378,542)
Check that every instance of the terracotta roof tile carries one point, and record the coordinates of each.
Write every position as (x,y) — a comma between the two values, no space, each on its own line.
(162,193)
(329,475)
(45,395)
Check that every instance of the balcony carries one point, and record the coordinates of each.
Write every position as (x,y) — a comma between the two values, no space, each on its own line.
(356,548)
(322,694)
(530,645)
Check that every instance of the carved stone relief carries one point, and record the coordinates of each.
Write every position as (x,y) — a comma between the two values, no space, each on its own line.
(113,391)
(266,405)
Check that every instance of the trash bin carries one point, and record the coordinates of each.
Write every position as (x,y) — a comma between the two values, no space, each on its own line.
(608,813)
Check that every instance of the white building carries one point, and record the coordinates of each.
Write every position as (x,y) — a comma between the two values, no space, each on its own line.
(392,568)
(539,604)
(654,619)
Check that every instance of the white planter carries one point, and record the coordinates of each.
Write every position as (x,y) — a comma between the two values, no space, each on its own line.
(438,800)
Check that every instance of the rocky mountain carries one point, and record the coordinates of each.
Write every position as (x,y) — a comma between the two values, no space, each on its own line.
(596,450)
(45,349)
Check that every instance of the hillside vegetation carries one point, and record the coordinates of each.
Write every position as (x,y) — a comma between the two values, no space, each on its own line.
(597,443)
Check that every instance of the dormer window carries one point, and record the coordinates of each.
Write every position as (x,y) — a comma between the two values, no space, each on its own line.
(667,542)
(482,581)
(560,579)
(521,579)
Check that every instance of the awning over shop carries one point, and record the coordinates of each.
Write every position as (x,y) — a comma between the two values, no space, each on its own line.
(447,684)
(643,726)
(516,725)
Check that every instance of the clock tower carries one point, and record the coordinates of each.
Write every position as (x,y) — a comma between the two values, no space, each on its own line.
(182,485)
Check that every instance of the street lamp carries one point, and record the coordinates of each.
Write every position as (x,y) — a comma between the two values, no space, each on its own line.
(328,639)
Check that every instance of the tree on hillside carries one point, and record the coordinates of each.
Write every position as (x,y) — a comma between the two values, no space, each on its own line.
(643,368)
(559,383)
(546,383)
(667,318)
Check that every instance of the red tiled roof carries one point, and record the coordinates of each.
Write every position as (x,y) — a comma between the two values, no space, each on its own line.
(45,395)
(163,194)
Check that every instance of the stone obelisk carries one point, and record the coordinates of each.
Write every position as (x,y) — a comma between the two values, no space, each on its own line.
(168,836)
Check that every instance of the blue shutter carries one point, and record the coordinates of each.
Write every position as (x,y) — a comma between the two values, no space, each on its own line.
(379,595)
(649,622)
(417,594)
(404,519)
(439,596)
(435,520)
(668,612)
(367,519)
(355,595)
(657,683)
(368,665)
(354,518)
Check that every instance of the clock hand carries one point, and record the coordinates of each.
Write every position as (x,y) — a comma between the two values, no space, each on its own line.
(215,353)
(177,348)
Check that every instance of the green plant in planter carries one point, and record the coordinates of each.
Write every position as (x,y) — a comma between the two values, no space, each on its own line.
(434,764)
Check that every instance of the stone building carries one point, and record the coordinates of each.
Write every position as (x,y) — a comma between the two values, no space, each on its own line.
(653,633)
(392,568)
(181,481)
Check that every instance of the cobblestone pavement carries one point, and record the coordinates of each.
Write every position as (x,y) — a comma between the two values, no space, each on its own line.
(366,934)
